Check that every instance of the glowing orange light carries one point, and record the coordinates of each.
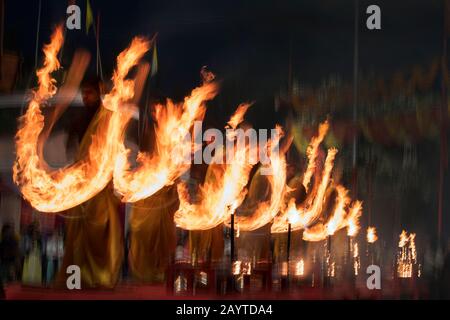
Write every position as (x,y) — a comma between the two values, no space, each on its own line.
(54,190)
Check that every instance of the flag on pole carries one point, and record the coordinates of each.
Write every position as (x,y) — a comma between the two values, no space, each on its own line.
(89,16)
(97,41)
(154,68)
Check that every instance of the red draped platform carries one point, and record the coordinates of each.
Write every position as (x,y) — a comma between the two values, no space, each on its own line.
(160,292)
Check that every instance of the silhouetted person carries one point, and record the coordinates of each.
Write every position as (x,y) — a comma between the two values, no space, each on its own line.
(91,95)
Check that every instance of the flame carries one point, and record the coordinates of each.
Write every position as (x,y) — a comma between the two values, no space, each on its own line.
(321,231)
(47,86)
(403,239)
(313,212)
(311,209)
(316,233)
(220,196)
(338,217)
(404,270)
(353,219)
(407,256)
(356,259)
(371,234)
(267,210)
(338,220)
(412,246)
(355,250)
(304,215)
(236,267)
(123,90)
(247,268)
(293,215)
(173,123)
(238,115)
(331,266)
(312,152)
(56,190)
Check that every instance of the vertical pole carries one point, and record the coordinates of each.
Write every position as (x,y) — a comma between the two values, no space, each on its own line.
(327,265)
(2,32)
(37,35)
(444,115)
(355,93)
(97,40)
(369,191)
(288,247)
(232,240)
(329,244)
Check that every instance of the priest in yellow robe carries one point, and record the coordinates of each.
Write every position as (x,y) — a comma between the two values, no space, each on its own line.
(94,237)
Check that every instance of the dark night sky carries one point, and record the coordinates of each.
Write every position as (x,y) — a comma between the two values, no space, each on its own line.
(245,41)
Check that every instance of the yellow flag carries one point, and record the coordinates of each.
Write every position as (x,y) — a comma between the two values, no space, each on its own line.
(89,16)
(154,67)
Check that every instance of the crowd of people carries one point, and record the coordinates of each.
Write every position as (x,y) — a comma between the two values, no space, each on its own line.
(34,259)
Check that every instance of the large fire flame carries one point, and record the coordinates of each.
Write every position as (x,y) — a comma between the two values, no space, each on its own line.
(312,152)
(303,215)
(340,218)
(321,231)
(267,210)
(310,210)
(173,144)
(55,190)
(50,190)
(220,195)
